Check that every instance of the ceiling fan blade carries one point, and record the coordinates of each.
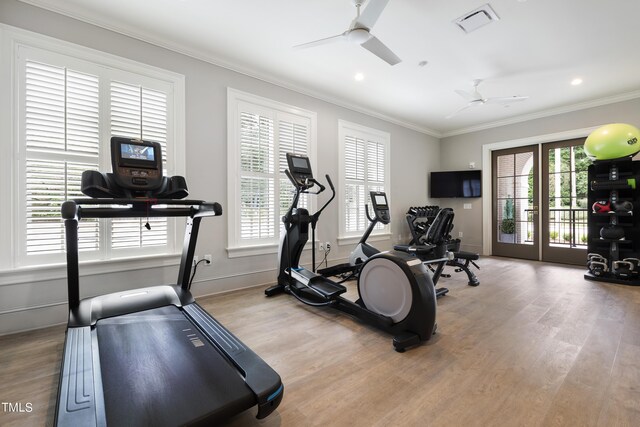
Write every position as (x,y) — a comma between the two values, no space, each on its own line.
(327,40)
(466,95)
(378,48)
(459,110)
(371,13)
(505,99)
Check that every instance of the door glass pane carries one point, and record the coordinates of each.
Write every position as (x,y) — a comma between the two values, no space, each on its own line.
(505,188)
(568,185)
(524,186)
(505,165)
(524,163)
(581,161)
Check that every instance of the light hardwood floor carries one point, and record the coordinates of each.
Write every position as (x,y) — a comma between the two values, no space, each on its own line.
(534,345)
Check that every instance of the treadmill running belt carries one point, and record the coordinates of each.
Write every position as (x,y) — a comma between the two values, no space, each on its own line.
(159,370)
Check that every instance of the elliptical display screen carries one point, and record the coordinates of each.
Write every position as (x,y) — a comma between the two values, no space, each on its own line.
(301,164)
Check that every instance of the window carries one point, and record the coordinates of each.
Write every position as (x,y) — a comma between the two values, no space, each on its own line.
(364,167)
(67,109)
(261,132)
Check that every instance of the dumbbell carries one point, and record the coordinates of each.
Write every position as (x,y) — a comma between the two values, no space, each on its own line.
(421,228)
(623,268)
(596,257)
(627,267)
(597,268)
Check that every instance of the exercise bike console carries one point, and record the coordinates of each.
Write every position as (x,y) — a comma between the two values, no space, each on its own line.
(380,207)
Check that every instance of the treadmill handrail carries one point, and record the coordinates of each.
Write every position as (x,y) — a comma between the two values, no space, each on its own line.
(133,208)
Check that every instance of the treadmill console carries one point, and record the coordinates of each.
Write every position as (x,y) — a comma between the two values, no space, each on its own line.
(137,164)
(300,170)
(137,173)
(380,206)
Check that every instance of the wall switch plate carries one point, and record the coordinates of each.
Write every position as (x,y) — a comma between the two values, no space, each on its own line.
(467,205)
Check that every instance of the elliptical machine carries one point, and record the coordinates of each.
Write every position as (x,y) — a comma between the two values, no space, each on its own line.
(363,251)
(395,291)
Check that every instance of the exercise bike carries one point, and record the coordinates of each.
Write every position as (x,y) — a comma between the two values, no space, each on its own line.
(395,291)
(363,251)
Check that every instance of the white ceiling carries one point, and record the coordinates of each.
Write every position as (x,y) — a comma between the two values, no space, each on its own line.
(536,49)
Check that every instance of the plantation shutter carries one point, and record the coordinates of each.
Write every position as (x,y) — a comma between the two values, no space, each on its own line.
(257,183)
(61,123)
(293,138)
(354,163)
(138,112)
(365,165)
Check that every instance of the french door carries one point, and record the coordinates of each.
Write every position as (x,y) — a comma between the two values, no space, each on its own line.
(564,202)
(515,195)
(559,233)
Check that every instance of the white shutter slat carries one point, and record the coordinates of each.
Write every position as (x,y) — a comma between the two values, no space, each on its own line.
(256,143)
(61,114)
(48,185)
(83,111)
(138,112)
(293,138)
(44,107)
(257,208)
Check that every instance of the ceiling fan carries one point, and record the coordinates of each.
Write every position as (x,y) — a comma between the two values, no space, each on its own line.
(359,32)
(475,99)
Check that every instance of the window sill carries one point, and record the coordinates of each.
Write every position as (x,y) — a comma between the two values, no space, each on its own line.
(41,273)
(352,240)
(244,251)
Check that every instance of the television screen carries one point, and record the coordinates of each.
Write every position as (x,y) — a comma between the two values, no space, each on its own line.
(456,184)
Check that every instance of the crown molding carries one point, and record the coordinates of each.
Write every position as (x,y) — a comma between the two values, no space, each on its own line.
(546,113)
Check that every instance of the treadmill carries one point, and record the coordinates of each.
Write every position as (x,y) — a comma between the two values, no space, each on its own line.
(150,356)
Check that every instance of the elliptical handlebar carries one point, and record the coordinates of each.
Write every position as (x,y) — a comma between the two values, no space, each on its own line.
(333,195)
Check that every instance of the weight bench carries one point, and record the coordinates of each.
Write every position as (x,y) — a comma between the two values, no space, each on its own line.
(436,241)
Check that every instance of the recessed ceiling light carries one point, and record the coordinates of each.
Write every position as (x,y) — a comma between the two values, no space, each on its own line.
(359,77)
(577,81)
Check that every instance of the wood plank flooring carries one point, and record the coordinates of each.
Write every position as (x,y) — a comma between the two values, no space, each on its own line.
(534,345)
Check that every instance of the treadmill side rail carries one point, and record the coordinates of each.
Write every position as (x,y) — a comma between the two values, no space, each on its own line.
(80,402)
(259,376)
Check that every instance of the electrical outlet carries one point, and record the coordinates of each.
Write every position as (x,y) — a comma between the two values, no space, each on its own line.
(327,246)
(207,259)
(460,234)
(321,247)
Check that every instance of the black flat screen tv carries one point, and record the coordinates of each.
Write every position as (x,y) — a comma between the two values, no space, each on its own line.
(456,184)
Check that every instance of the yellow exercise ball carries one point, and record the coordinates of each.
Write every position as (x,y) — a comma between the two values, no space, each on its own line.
(612,141)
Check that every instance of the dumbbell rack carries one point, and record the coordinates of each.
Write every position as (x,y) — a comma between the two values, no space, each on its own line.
(608,181)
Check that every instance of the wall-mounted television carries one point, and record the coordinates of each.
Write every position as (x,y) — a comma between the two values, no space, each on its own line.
(466,183)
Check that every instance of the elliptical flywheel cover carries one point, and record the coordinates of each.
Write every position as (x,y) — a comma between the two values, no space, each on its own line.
(384,287)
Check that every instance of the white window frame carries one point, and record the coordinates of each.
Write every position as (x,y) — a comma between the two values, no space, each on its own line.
(15,45)
(236,99)
(346,128)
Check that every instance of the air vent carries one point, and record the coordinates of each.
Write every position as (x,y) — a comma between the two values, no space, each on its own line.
(476,18)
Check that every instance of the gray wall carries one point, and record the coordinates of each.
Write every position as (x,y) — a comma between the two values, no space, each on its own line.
(457,151)
(28,301)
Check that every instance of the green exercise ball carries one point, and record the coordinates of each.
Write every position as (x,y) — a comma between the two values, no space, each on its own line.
(612,142)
